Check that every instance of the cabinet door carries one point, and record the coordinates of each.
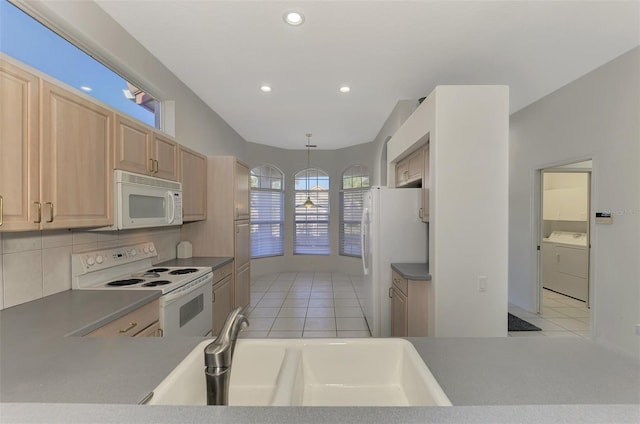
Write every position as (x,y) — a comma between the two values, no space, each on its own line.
(425,187)
(398,313)
(132,147)
(76,181)
(416,165)
(402,173)
(166,156)
(243,284)
(242,191)
(19,174)
(242,252)
(222,303)
(193,176)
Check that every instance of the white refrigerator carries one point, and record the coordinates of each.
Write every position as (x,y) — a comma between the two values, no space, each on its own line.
(391,231)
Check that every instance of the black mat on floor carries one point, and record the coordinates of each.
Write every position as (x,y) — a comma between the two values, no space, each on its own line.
(517,324)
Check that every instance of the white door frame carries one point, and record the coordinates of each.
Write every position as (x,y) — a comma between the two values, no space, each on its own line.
(537,204)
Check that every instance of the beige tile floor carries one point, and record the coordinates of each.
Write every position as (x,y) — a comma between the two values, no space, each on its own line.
(562,316)
(305,304)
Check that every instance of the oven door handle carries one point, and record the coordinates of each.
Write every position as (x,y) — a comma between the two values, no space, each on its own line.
(182,291)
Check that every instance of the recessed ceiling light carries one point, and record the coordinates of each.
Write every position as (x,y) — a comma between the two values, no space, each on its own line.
(265,88)
(345,89)
(86,88)
(294,18)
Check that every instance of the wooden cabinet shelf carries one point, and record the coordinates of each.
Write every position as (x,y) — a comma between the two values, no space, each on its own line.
(222,296)
(142,150)
(409,170)
(142,322)
(193,176)
(408,307)
(55,162)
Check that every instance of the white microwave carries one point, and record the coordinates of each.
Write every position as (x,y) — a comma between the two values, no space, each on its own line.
(140,201)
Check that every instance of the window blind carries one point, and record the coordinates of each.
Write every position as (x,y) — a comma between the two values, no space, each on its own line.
(267,212)
(312,224)
(351,202)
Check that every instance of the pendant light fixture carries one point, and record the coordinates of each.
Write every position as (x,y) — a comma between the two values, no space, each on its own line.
(308,203)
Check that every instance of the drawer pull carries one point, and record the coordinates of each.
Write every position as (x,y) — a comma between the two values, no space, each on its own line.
(391,292)
(39,205)
(131,326)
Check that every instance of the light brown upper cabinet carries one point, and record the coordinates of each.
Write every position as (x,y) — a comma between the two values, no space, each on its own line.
(409,170)
(193,176)
(141,150)
(424,211)
(242,191)
(19,144)
(76,174)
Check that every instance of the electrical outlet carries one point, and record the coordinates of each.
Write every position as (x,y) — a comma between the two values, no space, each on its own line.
(482,283)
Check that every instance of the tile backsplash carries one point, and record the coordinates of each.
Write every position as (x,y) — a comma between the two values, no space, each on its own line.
(38,263)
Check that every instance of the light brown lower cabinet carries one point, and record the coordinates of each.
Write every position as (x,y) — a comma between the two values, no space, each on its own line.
(222,296)
(243,285)
(408,307)
(142,322)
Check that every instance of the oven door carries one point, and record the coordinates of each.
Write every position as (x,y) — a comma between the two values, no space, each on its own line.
(187,311)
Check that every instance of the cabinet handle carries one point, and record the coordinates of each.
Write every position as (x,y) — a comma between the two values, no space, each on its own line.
(131,326)
(1,210)
(391,292)
(39,220)
(152,165)
(157,165)
(214,298)
(50,210)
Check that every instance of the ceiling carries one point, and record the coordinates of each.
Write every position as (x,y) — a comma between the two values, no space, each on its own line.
(384,50)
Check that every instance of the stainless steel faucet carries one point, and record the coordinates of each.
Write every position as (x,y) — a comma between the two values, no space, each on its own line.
(218,355)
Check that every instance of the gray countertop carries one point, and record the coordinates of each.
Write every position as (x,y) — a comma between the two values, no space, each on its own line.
(412,271)
(214,262)
(49,375)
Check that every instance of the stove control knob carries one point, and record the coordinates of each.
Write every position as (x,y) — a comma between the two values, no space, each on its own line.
(146,249)
(90,261)
(151,248)
(133,252)
(99,259)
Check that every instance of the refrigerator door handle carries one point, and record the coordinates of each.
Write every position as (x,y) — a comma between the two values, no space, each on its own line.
(364,228)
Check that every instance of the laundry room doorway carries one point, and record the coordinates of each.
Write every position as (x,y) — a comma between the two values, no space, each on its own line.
(564,247)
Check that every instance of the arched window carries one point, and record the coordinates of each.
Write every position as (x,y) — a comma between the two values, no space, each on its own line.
(267,211)
(311,235)
(355,182)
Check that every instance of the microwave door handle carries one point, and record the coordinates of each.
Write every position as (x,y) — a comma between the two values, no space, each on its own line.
(172,208)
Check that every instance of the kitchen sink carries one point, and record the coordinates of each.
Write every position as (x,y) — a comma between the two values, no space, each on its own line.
(311,372)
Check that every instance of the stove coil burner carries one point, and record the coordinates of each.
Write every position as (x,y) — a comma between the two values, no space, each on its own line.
(157,270)
(183,271)
(127,282)
(156,283)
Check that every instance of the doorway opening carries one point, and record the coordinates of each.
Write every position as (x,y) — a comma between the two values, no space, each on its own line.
(564,246)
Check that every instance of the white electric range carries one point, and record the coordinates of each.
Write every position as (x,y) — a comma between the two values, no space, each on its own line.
(186,300)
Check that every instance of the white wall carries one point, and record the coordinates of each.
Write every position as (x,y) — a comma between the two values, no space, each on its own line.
(469,201)
(196,125)
(596,116)
(402,110)
(334,162)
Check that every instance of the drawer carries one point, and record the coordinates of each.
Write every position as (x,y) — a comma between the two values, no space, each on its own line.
(223,271)
(401,282)
(131,324)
